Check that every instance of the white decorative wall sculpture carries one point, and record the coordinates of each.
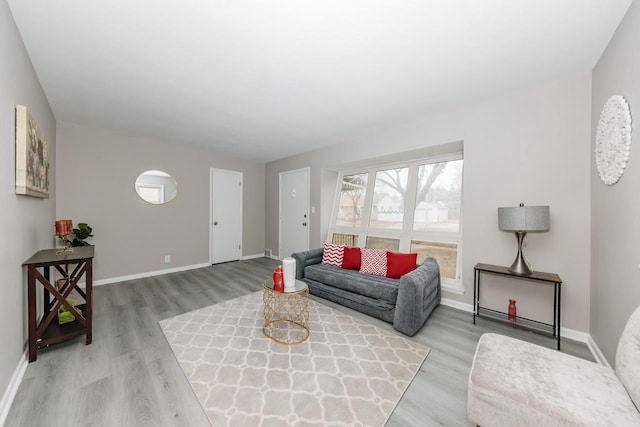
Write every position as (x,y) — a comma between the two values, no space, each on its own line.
(613,139)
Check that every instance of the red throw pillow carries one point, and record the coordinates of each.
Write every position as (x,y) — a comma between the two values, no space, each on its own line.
(400,264)
(352,258)
(374,261)
(332,254)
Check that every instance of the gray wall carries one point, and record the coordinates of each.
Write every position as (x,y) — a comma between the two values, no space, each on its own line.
(531,146)
(615,210)
(28,220)
(96,174)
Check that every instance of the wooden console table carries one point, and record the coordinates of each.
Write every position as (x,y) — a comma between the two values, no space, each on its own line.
(552,329)
(48,331)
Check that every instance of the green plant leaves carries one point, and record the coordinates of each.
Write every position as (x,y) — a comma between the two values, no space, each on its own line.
(81,233)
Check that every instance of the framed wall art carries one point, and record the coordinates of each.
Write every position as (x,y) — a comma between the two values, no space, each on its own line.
(32,156)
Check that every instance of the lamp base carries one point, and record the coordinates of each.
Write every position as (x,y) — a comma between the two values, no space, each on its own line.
(520,264)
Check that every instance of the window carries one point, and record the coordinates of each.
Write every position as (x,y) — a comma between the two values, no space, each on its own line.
(352,194)
(445,253)
(392,245)
(411,207)
(345,239)
(389,195)
(438,197)
(152,193)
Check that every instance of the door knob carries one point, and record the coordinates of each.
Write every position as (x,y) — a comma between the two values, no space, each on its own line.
(215,222)
(304,223)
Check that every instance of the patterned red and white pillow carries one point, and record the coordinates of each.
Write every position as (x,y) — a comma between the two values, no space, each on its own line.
(333,254)
(374,261)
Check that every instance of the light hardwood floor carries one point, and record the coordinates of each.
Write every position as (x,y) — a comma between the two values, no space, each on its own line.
(129,376)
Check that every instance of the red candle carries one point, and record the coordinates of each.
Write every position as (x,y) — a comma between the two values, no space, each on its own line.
(63,227)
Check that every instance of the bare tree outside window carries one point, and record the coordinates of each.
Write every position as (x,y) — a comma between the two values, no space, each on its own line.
(354,188)
(389,198)
(438,197)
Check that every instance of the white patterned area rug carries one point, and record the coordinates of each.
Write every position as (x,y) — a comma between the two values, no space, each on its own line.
(347,373)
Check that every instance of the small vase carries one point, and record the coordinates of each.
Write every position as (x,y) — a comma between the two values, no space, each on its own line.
(278,280)
(512,310)
(289,273)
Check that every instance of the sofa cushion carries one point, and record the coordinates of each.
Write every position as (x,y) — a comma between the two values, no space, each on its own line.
(400,264)
(352,258)
(333,254)
(513,382)
(376,287)
(628,357)
(374,261)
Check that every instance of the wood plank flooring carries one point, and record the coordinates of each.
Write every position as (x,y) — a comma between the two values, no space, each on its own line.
(129,376)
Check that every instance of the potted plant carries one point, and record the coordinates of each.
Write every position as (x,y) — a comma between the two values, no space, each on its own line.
(80,234)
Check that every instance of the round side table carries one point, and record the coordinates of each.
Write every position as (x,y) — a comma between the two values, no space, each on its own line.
(286,314)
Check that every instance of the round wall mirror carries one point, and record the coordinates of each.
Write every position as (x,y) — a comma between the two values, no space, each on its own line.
(156,187)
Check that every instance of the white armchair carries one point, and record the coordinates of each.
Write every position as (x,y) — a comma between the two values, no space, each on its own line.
(515,383)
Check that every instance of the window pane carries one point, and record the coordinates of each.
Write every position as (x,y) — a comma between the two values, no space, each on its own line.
(345,239)
(383,243)
(387,210)
(445,253)
(354,188)
(438,197)
(152,194)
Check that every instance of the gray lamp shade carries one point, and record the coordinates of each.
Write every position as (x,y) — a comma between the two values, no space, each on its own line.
(524,218)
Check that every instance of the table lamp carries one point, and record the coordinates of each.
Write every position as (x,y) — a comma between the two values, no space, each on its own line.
(522,220)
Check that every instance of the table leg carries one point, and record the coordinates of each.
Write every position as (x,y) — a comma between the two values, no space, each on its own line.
(475,284)
(31,296)
(559,305)
(89,299)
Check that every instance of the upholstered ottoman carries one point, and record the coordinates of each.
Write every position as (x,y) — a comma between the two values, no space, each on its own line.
(515,383)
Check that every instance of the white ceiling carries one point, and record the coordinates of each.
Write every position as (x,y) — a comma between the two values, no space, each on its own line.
(272,78)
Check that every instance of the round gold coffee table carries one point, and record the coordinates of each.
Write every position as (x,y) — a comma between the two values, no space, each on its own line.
(286,314)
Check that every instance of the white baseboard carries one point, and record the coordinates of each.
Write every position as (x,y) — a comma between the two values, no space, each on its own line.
(148,274)
(168,270)
(572,334)
(12,388)
(457,304)
(597,353)
(245,257)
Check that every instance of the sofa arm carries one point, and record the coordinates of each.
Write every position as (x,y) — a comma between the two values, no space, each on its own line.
(303,259)
(418,294)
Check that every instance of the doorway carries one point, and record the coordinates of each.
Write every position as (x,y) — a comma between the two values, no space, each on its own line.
(294,212)
(225,219)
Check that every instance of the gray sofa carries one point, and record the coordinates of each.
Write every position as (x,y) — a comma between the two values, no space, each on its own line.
(406,302)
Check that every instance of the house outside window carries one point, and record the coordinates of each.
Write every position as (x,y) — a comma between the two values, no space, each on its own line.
(409,207)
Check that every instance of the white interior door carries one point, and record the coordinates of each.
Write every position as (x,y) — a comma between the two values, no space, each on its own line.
(294,212)
(225,223)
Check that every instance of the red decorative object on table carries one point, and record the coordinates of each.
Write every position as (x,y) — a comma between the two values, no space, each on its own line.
(278,280)
(512,310)
(63,227)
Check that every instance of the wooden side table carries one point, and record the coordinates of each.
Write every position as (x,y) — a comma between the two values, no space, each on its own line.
(552,329)
(48,331)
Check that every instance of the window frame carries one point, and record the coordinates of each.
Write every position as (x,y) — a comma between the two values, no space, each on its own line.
(155,187)
(407,233)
